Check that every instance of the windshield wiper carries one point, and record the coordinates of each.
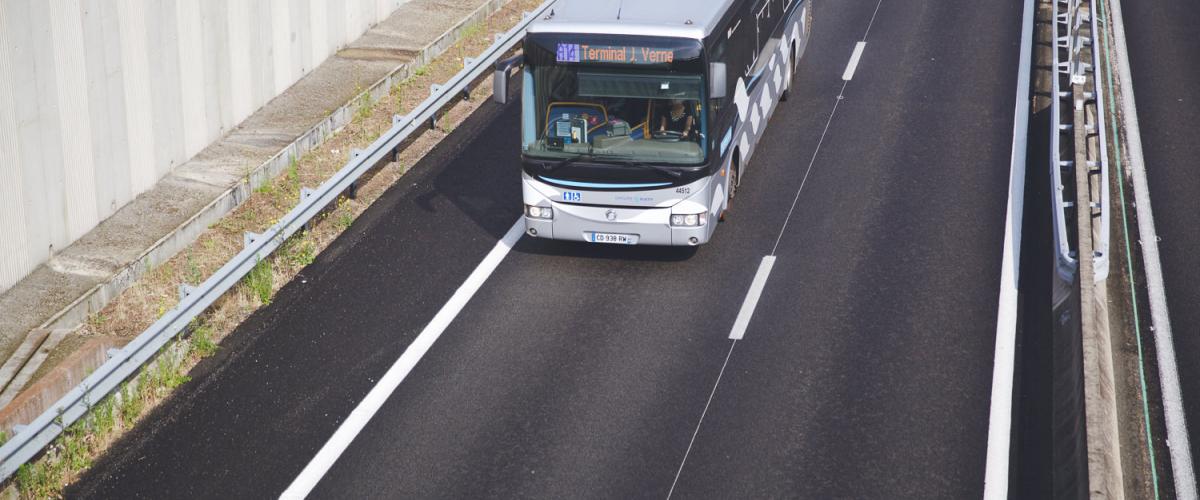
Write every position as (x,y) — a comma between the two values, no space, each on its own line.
(663,170)
(548,168)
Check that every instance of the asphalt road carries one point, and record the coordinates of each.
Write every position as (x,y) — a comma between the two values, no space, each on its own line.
(585,371)
(1162,49)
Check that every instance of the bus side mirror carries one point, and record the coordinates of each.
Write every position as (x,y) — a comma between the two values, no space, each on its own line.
(500,79)
(716,80)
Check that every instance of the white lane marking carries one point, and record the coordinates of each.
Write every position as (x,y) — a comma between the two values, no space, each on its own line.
(853,64)
(751,300)
(1168,374)
(325,458)
(812,161)
(995,481)
(701,422)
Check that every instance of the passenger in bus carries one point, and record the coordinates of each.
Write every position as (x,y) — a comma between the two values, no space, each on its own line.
(678,118)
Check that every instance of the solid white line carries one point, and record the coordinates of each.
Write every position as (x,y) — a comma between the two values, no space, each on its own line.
(325,458)
(853,64)
(1168,374)
(701,422)
(751,300)
(995,481)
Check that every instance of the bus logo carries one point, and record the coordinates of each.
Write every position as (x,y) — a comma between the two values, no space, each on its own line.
(568,52)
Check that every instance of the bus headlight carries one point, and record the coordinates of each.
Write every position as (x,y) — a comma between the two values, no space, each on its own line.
(546,213)
(690,220)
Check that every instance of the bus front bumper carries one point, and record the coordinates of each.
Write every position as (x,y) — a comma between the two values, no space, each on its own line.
(628,225)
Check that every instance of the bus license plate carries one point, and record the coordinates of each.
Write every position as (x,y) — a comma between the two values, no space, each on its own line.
(618,239)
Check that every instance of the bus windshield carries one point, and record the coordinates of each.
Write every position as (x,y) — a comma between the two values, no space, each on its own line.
(644,115)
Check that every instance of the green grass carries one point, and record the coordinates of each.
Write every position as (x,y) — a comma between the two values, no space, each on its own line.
(202,343)
(365,109)
(131,404)
(104,416)
(193,271)
(300,251)
(97,320)
(260,281)
(167,374)
(41,479)
(344,220)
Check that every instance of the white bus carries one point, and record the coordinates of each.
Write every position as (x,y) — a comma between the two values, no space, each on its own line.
(638,118)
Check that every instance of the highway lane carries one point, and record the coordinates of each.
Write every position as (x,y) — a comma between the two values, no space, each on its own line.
(584,371)
(1163,47)
(866,371)
(259,409)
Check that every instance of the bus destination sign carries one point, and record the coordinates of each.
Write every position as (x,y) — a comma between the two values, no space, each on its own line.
(613,54)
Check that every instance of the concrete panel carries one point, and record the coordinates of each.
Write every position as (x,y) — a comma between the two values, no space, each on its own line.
(14,242)
(43,133)
(238,46)
(139,114)
(318,11)
(189,24)
(103,99)
(112,170)
(281,46)
(73,115)
(163,60)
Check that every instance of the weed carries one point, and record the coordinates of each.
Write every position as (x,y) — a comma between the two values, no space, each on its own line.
(193,270)
(365,109)
(250,216)
(472,31)
(164,305)
(40,480)
(75,450)
(104,417)
(344,220)
(300,252)
(422,71)
(293,174)
(166,372)
(131,404)
(97,320)
(202,342)
(260,280)
(267,188)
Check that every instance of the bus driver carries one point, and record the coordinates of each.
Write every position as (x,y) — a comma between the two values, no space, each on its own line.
(679,118)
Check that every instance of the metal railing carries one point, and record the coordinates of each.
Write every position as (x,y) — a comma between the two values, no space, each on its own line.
(1063,210)
(1071,67)
(29,440)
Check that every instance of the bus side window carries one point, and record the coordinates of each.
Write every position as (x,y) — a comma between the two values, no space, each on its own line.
(717,54)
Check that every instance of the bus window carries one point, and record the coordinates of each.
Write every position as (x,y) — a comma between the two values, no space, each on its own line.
(619,114)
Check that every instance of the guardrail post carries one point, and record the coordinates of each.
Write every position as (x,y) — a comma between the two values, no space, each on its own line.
(185,290)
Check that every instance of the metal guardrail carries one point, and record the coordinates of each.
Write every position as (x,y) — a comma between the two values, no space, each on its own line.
(1070,65)
(1067,260)
(31,439)
(1099,165)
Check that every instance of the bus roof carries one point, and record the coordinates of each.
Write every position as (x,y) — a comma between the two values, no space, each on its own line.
(670,18)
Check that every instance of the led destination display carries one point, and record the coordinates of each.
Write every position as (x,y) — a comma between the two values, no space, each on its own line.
(613,54)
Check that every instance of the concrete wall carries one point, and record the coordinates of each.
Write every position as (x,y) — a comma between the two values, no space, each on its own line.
(99,99)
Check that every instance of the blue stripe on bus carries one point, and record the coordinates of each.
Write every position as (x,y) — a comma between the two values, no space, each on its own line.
(604,186)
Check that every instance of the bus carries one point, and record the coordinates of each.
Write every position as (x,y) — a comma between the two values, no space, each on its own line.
(638,118)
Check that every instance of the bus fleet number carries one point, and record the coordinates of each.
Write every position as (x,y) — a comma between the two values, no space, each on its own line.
(572,196)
